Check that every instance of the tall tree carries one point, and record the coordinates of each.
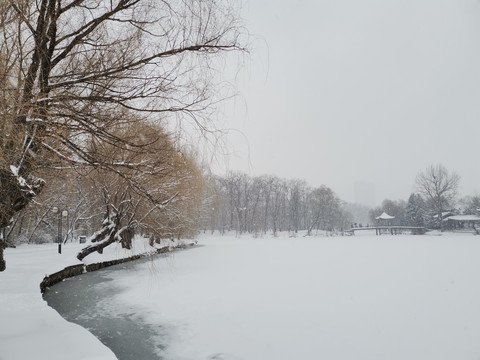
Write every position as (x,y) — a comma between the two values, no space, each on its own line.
(439,186)
(296,203)
(72,71)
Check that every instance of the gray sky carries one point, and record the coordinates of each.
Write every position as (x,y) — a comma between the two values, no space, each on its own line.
(341,91)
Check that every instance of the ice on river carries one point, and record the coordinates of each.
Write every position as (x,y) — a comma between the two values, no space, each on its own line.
(361,297)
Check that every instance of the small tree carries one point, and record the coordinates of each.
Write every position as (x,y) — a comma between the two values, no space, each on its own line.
(439,186)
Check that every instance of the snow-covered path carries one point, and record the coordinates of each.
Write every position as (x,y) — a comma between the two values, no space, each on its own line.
(29,328)
(362,297)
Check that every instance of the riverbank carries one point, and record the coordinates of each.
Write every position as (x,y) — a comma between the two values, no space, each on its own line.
(29,328)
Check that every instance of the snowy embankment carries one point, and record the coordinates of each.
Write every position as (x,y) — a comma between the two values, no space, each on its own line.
(29,328)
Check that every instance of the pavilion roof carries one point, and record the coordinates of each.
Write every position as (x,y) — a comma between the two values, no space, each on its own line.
(385,216)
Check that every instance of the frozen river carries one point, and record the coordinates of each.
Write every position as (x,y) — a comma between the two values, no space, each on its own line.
(337,298)
(89,300)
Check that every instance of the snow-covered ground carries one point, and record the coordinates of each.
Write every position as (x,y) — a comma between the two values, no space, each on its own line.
(358,297)
(29,328)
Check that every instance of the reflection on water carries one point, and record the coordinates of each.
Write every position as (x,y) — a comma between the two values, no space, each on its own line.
(85,300)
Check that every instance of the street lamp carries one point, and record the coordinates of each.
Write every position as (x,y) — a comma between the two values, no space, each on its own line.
(61,214)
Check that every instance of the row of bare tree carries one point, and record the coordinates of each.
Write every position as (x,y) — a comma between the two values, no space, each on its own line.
(270,204)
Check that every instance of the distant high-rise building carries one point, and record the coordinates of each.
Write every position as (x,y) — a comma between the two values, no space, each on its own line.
(364,193)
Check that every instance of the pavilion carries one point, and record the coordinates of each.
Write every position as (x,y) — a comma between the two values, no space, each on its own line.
(384,219)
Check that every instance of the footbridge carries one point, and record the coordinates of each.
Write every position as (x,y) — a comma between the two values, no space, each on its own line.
(390,229)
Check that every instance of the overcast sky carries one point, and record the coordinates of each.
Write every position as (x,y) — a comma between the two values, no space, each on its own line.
(344,91)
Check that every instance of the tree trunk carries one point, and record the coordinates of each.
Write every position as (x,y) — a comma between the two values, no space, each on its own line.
(127,237)
(3,264)
(441,220)
(309,231)
(17,192)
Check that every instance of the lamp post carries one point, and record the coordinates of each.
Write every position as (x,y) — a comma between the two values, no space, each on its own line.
(61,214)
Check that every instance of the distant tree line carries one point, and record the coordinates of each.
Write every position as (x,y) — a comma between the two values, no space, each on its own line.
(269,204)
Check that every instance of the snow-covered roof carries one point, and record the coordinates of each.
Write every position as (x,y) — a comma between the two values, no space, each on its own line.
(464,218)
(444,214)
(385,216)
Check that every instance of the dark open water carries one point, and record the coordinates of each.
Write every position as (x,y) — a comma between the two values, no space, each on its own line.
(87,300)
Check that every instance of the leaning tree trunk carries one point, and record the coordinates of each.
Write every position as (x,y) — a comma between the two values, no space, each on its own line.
(105,236)
(310,228)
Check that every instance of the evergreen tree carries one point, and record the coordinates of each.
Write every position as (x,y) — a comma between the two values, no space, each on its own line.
(415,210)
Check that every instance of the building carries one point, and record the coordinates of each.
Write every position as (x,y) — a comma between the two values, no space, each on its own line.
(462,222)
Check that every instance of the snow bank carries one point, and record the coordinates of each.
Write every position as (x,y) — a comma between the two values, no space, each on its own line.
(29,328)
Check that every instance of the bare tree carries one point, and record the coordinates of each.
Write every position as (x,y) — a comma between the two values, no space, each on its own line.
(72,71)
(439,186)
(239,190)
(264,203)
(325,209)
(266,189)
(297,201)
(278,200)
(215,204)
